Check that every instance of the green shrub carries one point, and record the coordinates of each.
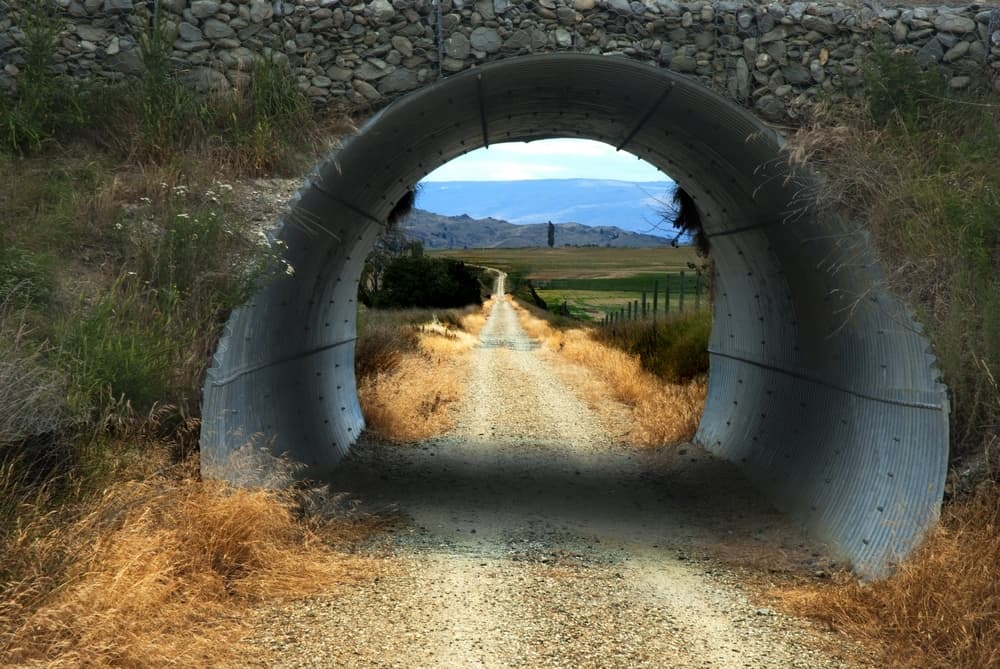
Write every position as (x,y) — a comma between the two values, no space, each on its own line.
(676,350)
(45,106)
(424,282)
(119,347)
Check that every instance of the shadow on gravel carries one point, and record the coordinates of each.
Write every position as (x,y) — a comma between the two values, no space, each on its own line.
(676,498)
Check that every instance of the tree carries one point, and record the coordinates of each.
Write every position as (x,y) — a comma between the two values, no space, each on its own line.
(552,235)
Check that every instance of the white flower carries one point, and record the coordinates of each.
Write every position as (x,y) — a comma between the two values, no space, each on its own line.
(289,270)
(183,215)
(145,200)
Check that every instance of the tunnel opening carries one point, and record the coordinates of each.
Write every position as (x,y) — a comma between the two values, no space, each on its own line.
(822,388)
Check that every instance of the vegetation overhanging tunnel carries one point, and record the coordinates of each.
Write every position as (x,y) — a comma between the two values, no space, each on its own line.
(822,387)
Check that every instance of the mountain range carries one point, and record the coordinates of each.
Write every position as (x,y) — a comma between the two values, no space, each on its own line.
(435,231)
(629,205)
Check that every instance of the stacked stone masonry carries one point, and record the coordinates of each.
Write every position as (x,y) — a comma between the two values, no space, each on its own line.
(775,58)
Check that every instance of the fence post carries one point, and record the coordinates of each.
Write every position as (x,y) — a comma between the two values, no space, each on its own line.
(621,314)
(666,298)
(656,292)
(643,305)
(697,293)
(635,309)
(681,293)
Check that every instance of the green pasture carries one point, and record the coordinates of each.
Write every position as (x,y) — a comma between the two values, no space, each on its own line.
(594,281)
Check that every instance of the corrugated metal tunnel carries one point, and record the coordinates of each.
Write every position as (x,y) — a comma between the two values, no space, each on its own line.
(822,387)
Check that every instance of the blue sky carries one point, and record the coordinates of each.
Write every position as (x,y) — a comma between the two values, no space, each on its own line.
(547,159)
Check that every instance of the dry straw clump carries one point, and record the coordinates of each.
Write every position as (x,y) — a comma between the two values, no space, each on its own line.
(160,572)
(941,610)
(410,376)
(662,412)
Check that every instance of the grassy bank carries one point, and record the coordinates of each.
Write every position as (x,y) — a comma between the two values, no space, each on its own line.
(917,162)
(411,367)
(121,255)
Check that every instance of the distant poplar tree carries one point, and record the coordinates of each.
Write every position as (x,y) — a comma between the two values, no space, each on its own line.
(552,235)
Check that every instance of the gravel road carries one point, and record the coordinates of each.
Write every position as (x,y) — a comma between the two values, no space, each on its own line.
(531,537)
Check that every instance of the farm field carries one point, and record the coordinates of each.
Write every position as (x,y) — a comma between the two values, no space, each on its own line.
(594,281)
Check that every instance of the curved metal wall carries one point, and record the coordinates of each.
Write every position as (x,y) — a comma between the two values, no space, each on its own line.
(822,387)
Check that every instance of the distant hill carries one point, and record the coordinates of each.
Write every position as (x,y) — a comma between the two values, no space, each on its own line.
(456,232)
(631,206)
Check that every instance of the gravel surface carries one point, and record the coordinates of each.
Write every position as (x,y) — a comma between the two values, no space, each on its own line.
(532,538)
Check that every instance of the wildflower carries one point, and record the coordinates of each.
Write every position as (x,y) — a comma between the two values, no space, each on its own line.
(289,270)
(145,200)
(184,216)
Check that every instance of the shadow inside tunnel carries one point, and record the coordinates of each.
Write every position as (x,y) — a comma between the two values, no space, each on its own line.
(678,497)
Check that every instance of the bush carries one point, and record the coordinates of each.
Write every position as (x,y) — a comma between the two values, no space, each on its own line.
(675,350)
(421,281)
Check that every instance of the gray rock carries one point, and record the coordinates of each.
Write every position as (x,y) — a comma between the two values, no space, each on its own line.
(775,35)
(564,38)
(956,52)
(319,81)
(202,9)
(819,24)
(381,11)
(683,63)
(623,7)
(485,39)
(796,10)
(519,39)
(114,47)
(457,46)
(90,33)
(817,72)
(127,62)
(192,46)
(173,6)
(207,80)
(500,6)
(770,108)
(189,33)
(339,73)
(260,11)
(116,6)
(370,72)
(402,45)
(958,83)
(92,5)
(566,15)
(216,29)
(485,9)
(398,81)
(584,5)
(796,73)
(953,23)
(366,90)
(930,53)
(899,32)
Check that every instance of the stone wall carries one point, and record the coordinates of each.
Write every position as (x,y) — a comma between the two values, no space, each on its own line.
(776,58)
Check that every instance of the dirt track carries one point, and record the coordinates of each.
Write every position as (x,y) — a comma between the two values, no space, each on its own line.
(532,538)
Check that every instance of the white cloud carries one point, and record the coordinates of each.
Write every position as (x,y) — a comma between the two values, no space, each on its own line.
(546,159)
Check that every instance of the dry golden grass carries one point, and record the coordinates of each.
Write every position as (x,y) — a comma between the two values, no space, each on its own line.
(662,412)
(411,377)
(940,611)
(161,572)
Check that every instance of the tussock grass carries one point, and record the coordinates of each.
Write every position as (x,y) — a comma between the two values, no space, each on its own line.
(161,571)
(663,412)
(410,369)
(941,610)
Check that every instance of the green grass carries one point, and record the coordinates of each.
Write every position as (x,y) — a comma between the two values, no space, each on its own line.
(594,281)
(579,262)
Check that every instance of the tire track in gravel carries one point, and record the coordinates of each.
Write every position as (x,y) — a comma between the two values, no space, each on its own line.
(535,540)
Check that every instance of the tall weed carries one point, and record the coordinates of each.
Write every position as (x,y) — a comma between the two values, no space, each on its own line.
(917,162)
(46,105)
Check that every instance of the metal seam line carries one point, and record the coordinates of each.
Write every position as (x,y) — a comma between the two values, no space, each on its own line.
(745,228)
(825,384)
(482,111)
(347,205)
(239,373)
(645,117)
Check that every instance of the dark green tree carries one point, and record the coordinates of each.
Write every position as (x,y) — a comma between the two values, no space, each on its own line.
(552,235)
